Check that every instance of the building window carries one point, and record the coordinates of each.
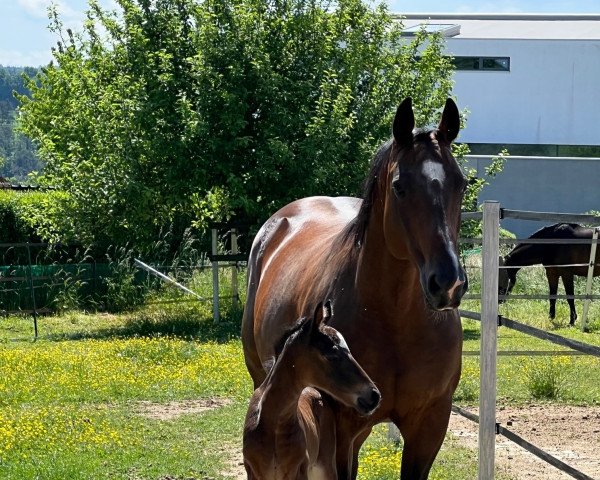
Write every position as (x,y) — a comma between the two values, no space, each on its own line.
(501,64)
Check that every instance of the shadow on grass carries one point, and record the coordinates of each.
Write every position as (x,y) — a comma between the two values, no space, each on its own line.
(471,334)
(188,325)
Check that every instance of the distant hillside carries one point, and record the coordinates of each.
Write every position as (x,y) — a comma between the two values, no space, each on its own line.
(11,80)
(17,154)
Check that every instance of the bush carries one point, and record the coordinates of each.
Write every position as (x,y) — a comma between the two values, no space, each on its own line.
(34,216)
(14,227)
(545,378)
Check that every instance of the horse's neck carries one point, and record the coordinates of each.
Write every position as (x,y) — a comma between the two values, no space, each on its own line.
(525,255)
(381,277)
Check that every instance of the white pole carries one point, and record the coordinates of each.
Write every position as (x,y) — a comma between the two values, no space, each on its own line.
(162,276)
(234,270)
(215,275)
(489,332)
(590,278)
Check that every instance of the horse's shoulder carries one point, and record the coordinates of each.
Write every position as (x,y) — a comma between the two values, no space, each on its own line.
(319,209)
(306,222)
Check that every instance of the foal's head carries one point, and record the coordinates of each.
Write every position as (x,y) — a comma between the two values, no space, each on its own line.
(321,359)
(422,201)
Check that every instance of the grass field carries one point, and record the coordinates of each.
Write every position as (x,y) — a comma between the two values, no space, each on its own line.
(78,402)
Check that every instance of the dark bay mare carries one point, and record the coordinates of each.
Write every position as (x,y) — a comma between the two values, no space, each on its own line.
(389,264)
(551,256)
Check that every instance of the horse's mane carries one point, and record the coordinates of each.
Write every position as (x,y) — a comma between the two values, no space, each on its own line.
(278,347)
(357,228)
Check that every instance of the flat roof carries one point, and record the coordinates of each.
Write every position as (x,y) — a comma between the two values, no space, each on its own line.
(512,26)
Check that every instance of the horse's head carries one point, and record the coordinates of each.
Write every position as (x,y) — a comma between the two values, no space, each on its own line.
(507,277)
(424,191)
(323,361)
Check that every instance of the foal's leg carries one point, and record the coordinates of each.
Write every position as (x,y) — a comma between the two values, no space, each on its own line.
(553,276)
(423,437)
(570,290)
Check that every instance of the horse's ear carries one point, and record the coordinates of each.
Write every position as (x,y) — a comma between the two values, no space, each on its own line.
(450,122)
(404,123)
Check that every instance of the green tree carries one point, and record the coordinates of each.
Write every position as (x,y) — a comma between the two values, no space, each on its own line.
(173,112)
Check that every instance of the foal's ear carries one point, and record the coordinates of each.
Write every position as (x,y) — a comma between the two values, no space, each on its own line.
(317,317)
(404,123)
(450,122)
(327,311)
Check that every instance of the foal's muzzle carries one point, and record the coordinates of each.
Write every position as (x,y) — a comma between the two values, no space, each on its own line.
(368,401)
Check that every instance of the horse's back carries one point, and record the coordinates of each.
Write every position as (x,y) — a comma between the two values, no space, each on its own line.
(287,260)
(569,253)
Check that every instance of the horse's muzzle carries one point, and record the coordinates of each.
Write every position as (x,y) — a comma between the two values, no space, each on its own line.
(444,288)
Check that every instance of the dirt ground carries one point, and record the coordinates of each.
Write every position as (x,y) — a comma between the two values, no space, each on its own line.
(172,410)
(572,434)
(569,433)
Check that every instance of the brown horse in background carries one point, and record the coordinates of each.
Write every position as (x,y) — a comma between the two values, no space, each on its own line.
(390,265)
(552,256)
(289,433)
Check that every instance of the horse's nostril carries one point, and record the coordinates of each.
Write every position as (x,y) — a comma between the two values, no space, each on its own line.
(433,285)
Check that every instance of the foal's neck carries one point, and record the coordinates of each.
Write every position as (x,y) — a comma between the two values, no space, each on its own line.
(281,391)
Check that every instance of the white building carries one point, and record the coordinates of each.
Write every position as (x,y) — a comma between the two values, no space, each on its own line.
(526,79)
(531,84)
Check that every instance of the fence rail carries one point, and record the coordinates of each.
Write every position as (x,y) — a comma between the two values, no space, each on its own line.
(538,452)
(537,216)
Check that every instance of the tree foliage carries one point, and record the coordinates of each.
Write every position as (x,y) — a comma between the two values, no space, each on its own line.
(176,112)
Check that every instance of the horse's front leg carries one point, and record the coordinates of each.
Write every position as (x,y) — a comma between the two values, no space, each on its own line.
(423,437)
(358,441)
(570,290)
(343,453)
(553,276)
(348,433)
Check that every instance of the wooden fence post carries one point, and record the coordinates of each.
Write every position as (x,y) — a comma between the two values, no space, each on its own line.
(234,271)
(489,332)
(590,278)
(215,275)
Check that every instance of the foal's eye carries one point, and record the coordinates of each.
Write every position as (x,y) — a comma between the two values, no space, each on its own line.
(333,352)
(398,190)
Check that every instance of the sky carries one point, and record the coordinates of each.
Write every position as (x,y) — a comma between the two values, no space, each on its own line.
(26,41)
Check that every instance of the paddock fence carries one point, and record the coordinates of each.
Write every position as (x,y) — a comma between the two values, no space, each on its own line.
(34,276)
(490,321)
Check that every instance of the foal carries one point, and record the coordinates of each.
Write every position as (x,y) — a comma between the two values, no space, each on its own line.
(289,433)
